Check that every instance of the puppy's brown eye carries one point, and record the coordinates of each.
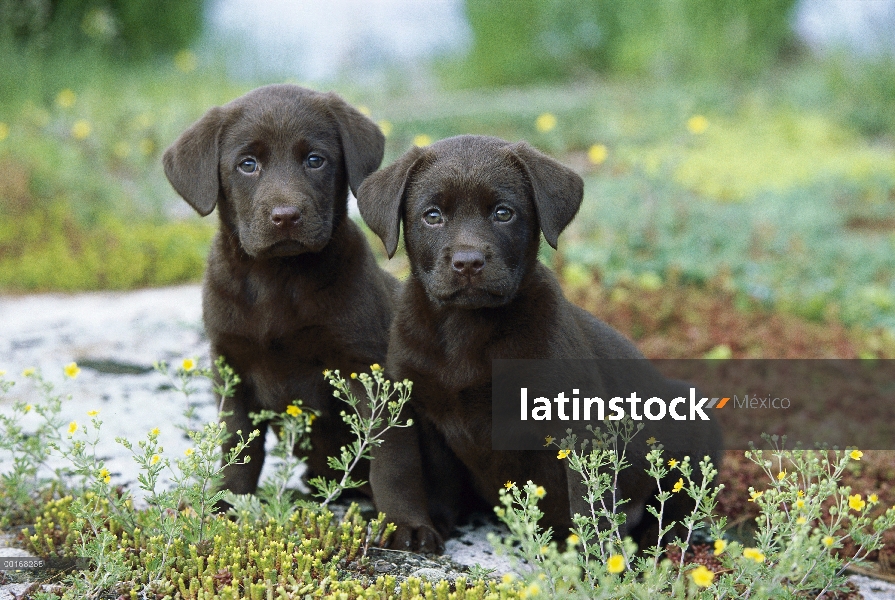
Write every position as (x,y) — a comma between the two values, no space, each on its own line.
(248,166)
(433,217)
(315,161)
(502,214)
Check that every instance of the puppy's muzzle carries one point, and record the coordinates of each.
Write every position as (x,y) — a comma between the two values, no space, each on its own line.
(467,262)
(285,217)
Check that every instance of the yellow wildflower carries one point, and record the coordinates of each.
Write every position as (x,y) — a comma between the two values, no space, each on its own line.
(422,140)
(189,451)
(801,521)
(672,463)
(27,409)
(185,61)
(616,563)
(81,129)
(800,494)
(781,475)
(146,146)
(154,431)
(71,370)
(754,553)
(105,475)
(678,486)
(800,503)
(720,547)
(509,484)
(856,454)
(375,367)
(121,150)
(188,364)
(72,427)
(562,454)
(92,413)
(533,589)
(872,498)
(354,375)
(697,124)
(311,418)
(855,502)
(573,539)
(508,578)
(828,541)
(386,127)
(28,372)
(143,120)
(293,411)
(326,372)
(545,122)
(753,496)
(702,576)
(597,154)
(540,491)
(548,440)
(155,459)
(66,98)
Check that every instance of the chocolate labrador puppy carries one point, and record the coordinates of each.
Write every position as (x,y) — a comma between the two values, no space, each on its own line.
(473,210)
(292,287)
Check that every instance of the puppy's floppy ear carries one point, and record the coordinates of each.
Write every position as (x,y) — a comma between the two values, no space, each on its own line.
(558,190)
(381,197)
(362,141)
(191,162)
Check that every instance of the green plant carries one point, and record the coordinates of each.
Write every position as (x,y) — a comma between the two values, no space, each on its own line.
(25,485)
(805,515)
(273,499)
(175,547)
(136,30)
(536,41)
(368,423)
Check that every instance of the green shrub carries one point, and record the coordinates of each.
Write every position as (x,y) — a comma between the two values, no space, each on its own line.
(137,30)
(50,250)
(521,42)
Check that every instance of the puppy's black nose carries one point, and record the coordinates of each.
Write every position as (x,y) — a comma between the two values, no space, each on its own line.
(285,217)
(468,262)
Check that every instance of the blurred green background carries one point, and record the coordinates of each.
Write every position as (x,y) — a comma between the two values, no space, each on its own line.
(719,151)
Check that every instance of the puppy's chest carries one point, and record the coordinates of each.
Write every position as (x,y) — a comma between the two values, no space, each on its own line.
(464,417)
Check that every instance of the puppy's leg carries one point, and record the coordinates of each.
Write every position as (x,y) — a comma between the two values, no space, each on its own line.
(449,487)
(397,481)
(242,477)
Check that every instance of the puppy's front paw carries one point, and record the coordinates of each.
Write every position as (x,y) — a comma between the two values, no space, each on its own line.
(416,538)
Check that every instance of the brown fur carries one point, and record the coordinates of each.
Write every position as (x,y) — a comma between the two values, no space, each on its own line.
(477,293)
(292,287)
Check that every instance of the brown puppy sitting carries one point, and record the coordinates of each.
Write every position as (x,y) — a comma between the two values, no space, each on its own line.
(473,209)
(292,286)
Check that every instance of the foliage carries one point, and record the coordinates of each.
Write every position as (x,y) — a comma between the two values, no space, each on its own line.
(548,40)
(85,204)
(864,89)
(176,547)
(137,30)
(368,425)
(795,544)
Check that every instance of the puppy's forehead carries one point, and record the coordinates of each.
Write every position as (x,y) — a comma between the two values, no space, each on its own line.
(281,115)
(471,162)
